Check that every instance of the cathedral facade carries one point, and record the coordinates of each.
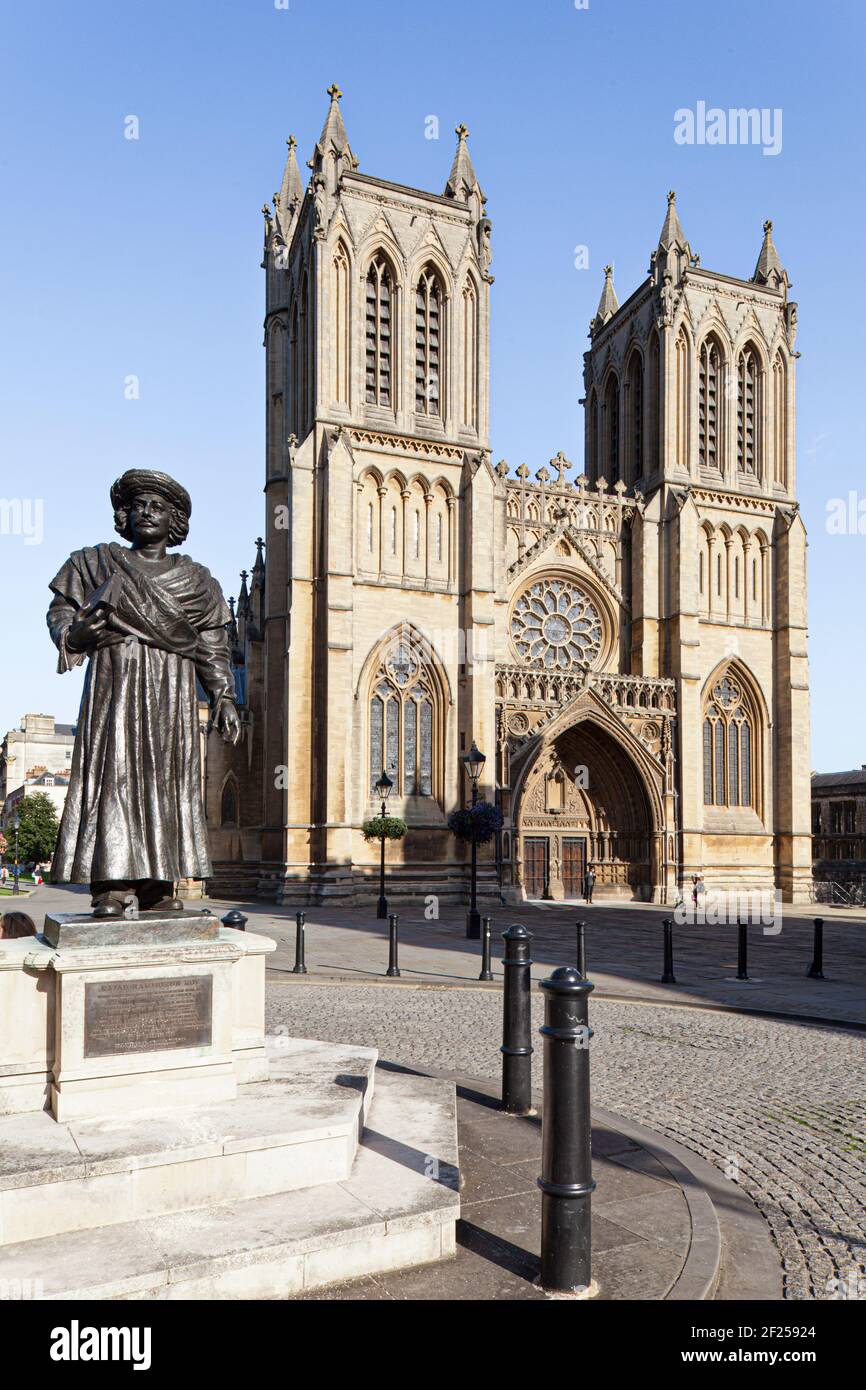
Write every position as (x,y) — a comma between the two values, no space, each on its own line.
(627,646)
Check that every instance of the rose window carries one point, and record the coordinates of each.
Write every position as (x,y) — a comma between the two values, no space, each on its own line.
(556,625)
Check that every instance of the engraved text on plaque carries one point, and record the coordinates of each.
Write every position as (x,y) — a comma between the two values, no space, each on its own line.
(147,1015)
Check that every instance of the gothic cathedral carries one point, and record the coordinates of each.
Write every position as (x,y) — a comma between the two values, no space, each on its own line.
(627,647)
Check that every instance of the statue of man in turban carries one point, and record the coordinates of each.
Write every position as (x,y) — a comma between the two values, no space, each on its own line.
(151,623)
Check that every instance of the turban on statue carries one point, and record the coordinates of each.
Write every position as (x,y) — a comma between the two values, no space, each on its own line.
(136,480)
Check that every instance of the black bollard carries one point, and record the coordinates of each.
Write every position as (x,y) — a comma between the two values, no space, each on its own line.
(486,972)
(668,977)
(581,949)
(517,1022)
(566,1180)
(816,969)
(742,950)
(299,967)
(393,968)
(236,919)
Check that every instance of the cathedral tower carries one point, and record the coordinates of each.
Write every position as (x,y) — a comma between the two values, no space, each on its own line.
(380,549)
(690,405)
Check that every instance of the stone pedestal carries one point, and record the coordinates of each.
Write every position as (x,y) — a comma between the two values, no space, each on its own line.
(153,1146)
(125,1016)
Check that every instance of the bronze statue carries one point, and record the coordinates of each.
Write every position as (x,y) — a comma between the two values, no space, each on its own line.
(151,623)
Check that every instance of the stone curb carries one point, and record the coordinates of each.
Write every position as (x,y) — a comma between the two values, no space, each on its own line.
(704,1188)
(706,1191)
(698,1278)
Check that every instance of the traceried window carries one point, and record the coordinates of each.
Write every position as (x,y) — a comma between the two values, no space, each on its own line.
(709,409)
(402,723)
(379,326)
(748,387)
(428,344)
(729,739)
(556,625)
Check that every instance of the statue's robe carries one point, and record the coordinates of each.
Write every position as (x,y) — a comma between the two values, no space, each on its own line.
(134,806)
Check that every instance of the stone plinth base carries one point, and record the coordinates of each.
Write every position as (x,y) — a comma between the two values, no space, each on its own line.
(153,1146)
(102,1028)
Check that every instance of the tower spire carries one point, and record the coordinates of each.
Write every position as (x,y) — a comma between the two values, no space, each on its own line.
(333,139)
(608,304)
(288,200)
(672,234)
(462,181)
(769,270)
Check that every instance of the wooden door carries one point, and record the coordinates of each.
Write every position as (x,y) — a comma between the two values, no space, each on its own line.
(573,863)
(535,865)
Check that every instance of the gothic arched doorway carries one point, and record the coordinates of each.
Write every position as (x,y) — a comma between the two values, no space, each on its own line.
(583,799)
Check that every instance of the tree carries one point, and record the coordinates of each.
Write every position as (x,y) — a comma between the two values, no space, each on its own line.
(37,834)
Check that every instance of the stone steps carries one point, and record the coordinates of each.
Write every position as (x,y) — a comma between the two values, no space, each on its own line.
(298,1129)
(396,1207)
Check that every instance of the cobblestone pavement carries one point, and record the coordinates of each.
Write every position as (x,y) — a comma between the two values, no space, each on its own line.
(778,1106)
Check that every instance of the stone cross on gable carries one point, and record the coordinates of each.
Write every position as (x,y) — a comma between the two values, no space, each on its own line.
(562,465)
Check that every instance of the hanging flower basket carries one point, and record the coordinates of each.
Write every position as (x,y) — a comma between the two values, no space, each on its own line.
(476,824)
(392,827)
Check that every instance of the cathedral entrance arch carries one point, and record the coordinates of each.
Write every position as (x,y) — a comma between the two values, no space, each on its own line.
(583,798)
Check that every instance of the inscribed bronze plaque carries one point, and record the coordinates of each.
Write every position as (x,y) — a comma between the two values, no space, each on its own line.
(147,1015)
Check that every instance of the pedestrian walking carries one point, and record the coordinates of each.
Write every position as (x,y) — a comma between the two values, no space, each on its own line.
(588,883)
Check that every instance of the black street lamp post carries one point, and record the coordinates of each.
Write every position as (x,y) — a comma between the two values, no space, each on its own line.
(16,826)
(383,790)
(474,761)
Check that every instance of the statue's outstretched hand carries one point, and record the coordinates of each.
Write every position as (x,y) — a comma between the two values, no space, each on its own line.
(228,721)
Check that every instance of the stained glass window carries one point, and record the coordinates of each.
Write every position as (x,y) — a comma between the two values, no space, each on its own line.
(727,747)
(401,723)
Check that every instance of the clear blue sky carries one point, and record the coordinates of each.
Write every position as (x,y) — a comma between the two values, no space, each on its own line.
(125,257)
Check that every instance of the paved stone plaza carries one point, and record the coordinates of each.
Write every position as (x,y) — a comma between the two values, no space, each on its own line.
(775,1103)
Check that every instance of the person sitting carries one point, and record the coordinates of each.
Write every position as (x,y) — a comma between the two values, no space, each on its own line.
(16,924)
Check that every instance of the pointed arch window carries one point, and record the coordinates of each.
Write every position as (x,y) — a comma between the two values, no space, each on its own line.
(709,397)
(592,437)
(402,722)
(611,411)
(636,422)
(728,742)
(229,805)
(748,390)
(379,330)
(428,343)
(654,386)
